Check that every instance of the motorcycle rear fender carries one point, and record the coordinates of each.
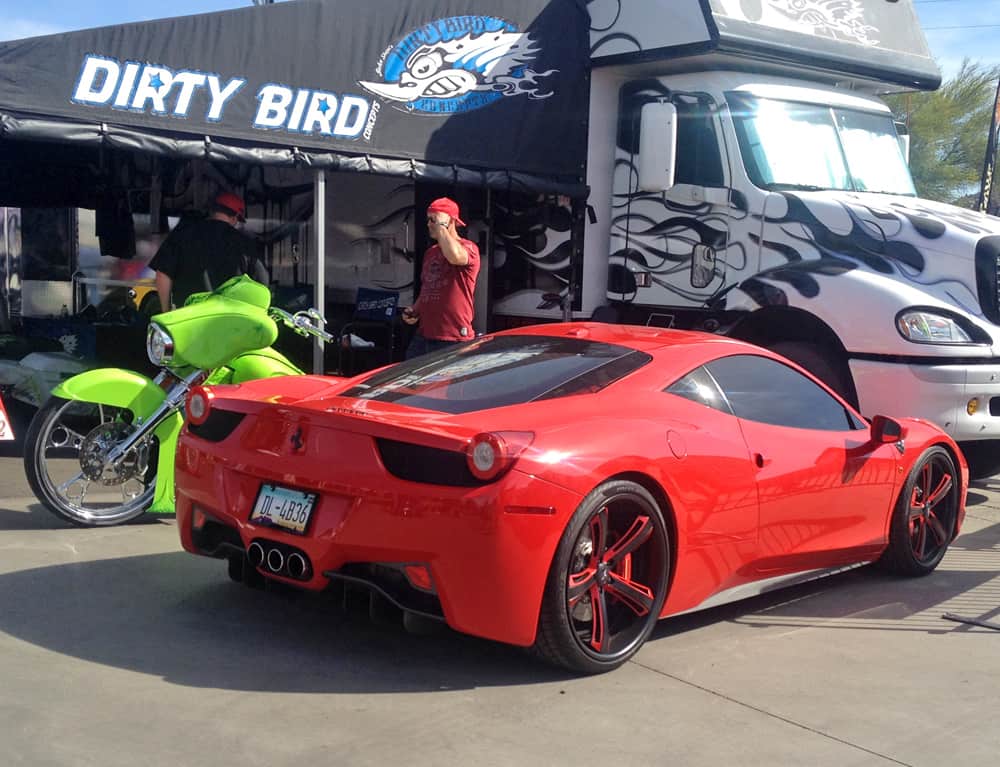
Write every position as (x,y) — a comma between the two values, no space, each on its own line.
(133,391)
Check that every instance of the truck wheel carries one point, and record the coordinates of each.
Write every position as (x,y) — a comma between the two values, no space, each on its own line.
(827,364)
(983,457)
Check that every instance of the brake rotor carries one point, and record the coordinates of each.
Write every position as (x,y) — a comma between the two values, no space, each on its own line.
(102,440)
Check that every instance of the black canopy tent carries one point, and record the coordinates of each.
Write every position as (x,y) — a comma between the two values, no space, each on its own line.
(490,93)
(463,92)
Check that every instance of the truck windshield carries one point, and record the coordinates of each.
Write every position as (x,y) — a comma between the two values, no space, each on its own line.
(794,145)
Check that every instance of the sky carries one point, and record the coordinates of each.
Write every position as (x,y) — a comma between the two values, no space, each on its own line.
(955,29)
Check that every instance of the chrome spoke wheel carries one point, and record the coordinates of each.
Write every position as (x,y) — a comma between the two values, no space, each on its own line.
(67,462)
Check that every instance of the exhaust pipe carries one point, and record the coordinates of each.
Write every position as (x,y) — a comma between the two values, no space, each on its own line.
(275,561)
(297,567)
(255,554)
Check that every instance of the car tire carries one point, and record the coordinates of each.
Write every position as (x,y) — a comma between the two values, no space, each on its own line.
(608,581)
(924,519)
(823,362)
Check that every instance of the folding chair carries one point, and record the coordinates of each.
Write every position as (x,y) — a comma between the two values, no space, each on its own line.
(371,332)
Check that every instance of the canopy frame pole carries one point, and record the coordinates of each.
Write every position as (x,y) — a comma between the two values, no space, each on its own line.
(319,290)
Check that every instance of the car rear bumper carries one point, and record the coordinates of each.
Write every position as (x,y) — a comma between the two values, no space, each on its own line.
(488,549)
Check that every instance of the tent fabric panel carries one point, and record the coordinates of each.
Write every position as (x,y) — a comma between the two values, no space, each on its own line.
(21,128)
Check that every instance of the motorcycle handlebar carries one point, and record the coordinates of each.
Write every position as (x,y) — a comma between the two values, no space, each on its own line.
(308,322)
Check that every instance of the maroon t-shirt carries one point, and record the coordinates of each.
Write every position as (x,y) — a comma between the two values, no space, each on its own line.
(445,305)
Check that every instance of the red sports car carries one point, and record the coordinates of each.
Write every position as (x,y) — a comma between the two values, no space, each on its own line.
(562,486)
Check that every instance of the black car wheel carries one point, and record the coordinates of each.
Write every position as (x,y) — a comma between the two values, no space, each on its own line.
(923,522)
(608,580)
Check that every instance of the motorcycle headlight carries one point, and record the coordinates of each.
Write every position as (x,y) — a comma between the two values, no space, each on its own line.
(159,345)
(927,327)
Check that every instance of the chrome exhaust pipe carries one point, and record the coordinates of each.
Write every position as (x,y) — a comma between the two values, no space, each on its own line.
(255,554)
(297,567)
(275,561)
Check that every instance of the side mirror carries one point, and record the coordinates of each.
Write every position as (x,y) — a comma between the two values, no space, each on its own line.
(657,146)
(886,430)
(903,137)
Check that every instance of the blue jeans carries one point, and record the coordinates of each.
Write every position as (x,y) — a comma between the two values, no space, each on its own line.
(420,345)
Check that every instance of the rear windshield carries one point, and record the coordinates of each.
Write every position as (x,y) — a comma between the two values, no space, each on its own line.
(499,371)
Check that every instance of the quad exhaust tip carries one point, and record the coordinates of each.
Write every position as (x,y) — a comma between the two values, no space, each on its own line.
(292,564)
(255,554)
(275,561)
(297,567)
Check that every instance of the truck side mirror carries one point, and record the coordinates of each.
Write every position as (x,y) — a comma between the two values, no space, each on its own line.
(657,146)
(903,137)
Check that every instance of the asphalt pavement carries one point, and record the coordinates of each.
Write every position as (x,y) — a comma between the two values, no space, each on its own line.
(116,648)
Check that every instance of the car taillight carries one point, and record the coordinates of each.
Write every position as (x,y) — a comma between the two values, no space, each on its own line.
(199,405)
(490,454)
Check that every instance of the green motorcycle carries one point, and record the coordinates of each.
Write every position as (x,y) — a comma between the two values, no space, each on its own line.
(100,451)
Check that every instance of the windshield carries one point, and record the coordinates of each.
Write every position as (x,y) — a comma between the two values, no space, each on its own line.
(793,145)
(498,371)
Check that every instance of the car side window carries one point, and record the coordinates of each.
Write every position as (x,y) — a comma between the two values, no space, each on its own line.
(699,386)
(764,390)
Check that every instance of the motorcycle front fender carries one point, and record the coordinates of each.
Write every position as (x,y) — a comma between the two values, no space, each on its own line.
(113,386)
(135,392)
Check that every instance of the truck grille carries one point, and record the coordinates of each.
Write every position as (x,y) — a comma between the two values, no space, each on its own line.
(988,277)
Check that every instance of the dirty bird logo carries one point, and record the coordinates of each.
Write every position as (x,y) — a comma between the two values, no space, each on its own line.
(459,64)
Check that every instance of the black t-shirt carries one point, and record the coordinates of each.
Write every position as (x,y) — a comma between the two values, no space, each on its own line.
(201,254)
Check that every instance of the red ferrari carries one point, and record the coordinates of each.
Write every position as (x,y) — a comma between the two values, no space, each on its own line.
(562,486)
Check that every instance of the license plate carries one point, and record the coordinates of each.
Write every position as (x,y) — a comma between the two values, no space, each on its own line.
(283,507)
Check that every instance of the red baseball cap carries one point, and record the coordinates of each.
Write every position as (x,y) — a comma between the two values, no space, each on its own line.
(233,203)
(446,205)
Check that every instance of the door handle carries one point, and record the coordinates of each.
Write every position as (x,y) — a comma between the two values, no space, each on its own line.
(760,460)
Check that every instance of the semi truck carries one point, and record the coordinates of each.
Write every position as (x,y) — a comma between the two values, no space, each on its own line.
(745,178)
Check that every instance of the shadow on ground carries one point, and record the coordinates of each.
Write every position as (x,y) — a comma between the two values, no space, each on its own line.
(178,617)
(37,517)
(868,598)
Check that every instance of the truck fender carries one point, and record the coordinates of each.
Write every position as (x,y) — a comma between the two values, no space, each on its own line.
(803,338)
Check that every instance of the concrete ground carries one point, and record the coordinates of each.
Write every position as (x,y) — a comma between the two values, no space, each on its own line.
(116,648)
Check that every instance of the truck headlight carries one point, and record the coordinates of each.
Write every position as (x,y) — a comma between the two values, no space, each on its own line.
(159,345)
(927,327)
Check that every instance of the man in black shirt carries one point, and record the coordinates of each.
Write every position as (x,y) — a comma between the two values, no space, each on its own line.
(201,254)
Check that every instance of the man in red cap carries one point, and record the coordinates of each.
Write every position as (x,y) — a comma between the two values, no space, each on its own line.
(201,254)
(444,308)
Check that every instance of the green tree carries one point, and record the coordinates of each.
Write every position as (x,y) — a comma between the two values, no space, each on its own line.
(948,129)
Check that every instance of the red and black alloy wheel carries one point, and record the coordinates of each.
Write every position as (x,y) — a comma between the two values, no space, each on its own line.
(608,581)
(926,513)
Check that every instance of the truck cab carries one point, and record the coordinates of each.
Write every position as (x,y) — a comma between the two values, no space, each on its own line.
(746,179)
